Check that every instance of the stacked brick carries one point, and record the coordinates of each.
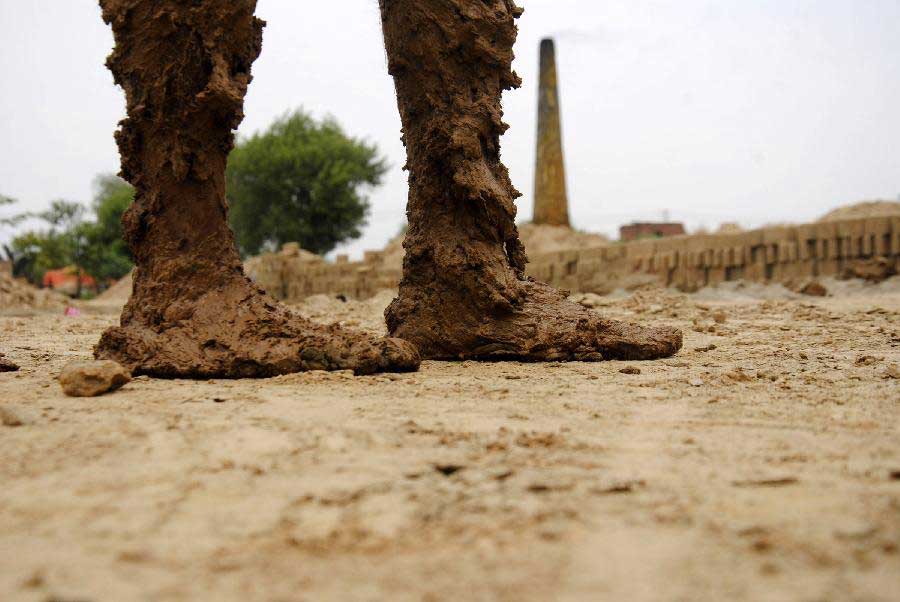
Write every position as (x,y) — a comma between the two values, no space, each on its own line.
(789,254)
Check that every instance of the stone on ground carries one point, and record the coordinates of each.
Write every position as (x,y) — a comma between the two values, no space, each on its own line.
(6,365)
(91,379)
(814,288)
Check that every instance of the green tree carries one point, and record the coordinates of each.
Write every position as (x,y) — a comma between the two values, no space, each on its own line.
(8,222)
(14,220)
(5,200)
(69,240)
(104,253)
(300,181)
(58,246)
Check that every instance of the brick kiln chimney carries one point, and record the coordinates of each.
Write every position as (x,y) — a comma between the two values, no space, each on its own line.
(551,204)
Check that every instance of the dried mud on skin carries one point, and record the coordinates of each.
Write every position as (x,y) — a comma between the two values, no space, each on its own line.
(464,293)
(185,68)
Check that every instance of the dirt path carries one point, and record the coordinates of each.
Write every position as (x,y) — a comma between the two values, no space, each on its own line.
(767,468)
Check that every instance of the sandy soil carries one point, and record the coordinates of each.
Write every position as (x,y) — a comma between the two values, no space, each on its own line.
(766,468)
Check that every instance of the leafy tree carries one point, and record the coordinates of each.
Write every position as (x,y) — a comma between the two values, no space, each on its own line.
(35,253)
(300,181)
(5,200)
(104,253)
(8,222)
(14,220)
(95,246)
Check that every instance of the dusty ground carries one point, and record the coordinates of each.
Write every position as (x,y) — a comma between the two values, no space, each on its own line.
(766,468)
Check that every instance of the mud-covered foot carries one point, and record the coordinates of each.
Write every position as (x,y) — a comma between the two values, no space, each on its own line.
(193,313)
(544,326)
(464,293)
(238,332)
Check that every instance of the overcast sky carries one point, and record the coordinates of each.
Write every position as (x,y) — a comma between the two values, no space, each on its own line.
(753,111)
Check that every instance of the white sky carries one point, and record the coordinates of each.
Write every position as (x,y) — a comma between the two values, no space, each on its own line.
(754,111)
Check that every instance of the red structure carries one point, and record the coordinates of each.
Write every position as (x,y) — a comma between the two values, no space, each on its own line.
(638,230)
(66,281)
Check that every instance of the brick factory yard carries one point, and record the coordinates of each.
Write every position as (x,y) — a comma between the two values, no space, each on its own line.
(761,463)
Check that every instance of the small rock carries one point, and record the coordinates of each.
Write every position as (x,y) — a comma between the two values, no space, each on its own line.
(8,417)
(90,379)
(630,370)
(866,360)
(814,289)
(696,382)
(738,375)
(720,317)
(705,349)
(892,371)
(6,365)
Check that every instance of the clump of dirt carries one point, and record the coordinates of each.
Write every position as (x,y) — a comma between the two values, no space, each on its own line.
(185,69)
(18,295)
(464,293)
(863,209)
(814,288)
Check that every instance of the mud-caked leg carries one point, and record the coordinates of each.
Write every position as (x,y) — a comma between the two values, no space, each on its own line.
(185,68)
(464,293)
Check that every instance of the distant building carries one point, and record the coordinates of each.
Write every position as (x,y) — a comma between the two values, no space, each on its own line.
(638,230)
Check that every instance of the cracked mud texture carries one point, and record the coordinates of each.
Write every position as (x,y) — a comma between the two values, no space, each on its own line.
(185,68)
(762,463)
(464,293)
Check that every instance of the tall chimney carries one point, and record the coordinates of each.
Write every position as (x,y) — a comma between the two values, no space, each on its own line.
(551,204)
